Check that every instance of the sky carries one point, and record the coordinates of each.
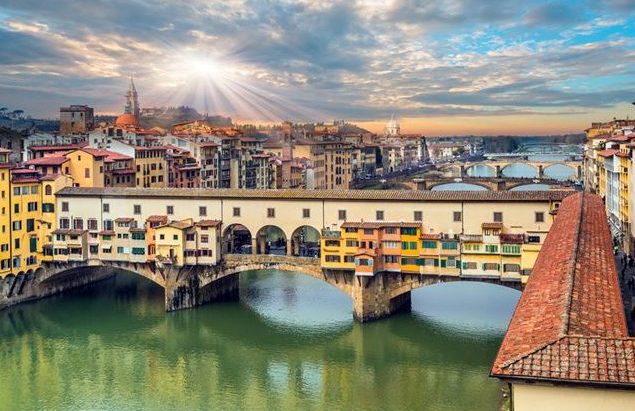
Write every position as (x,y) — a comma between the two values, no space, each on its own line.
(441,67)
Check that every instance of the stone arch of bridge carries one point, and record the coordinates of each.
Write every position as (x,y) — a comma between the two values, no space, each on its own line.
(401,284)
(472,166)
(65,271)
(337,280)
(237,239)
(430,186)
(534,167)
(271,239)
(572,167)
(305,241)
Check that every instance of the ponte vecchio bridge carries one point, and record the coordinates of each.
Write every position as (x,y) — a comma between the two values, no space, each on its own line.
(269,229)
(499,166)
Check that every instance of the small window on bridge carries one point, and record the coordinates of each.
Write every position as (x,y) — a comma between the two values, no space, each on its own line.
(306,213)
(498,217)
(169,209)
(271,212)
(418,216)
(236,212)
(379,215)
(341,215)
(64,205)
(457,216)
(540,217)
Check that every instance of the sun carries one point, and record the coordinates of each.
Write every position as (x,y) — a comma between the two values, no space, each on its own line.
(202,67)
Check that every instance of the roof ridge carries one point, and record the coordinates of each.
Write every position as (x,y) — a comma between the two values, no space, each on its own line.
(572,268)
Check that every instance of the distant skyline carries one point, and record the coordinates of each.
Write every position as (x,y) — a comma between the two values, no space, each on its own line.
(442,67)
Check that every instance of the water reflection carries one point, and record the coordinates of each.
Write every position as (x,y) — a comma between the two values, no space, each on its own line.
(289,344)
(559,172)
(481,170)
(519,170)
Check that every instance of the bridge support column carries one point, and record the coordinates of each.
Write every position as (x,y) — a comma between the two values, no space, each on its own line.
(289,250)
(498,172)
(371,298)
(463,172)
(254,246)
(579,173)
(189,294)
(541,173)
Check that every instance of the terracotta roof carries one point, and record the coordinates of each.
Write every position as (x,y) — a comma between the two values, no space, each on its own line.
(51,160)
(512,238)
(569,325)
(107,232)
(430,236)
(57,147)
(157,219)
(492,225)
(607,153)
(110,155)
(137,230)
(362,195)
(209,223)
(378,224)
(123,219)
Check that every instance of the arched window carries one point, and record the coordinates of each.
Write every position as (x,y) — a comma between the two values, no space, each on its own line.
(48,190)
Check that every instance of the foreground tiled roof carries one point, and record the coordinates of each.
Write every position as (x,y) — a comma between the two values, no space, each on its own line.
(381,195)
(569,325)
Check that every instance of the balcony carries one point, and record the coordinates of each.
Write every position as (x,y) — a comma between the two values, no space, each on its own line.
(330,234)
(471,238)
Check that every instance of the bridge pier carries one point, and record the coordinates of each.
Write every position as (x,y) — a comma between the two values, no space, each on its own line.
(190,294)
(540,171)
(373,300)
(498,171)
(463,171)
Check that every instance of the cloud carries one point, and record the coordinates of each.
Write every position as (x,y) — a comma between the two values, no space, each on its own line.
(338,59)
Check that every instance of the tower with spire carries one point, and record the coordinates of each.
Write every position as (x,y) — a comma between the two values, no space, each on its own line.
(132,100)
(392,127)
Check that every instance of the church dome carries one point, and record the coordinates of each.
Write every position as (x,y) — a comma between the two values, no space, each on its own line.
(126,120)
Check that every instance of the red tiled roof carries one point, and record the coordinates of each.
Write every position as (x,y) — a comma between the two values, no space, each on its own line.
(569,324)
(209,223)
(492,225)
(51,160)
(110,155)
(377,224)
(107,232)
(607,153)
(157,219)
(430,236)
(57,147)
(123,219)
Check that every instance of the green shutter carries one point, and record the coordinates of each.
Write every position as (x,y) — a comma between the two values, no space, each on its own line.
(443,263)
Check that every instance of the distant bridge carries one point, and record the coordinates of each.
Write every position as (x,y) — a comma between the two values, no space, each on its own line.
(490,183)
(540,167)
(189,286)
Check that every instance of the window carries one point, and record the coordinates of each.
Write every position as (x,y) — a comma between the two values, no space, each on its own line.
(511,249)
(25,191)
(175,237)
(236,211)
(449,245)
(368,231)
(379,215)
(511,268)
(202,211)
(408,245)
(34,190)
(391,259)
(16,208)
(352,243)
(468,265)
(48,208)
(539,217)
(418,216)
(138,250)
(92,224)
(32,206)
(271,212)
(16,243)
(78,224)
(498,217)
(16,191)
(456,216)
(33,244)
(64,205)
(331,243)
(408,231)
(429,244)
(169,209)
(391,244)
(204,239)
(332,258)
(48,190)
(138,236)
(16,225)
(306,213)
(190,237)
(107,225)
(533,239)
(341,215)
(136,209)
(349,258)
(368,262)
(390,230)
(87,172)
(491,248)
(106,207)
(491,266)
(161,236)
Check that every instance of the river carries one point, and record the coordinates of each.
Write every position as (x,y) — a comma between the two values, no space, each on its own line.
(289,343)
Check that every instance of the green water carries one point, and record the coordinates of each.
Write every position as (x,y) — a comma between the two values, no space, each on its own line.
(289,344)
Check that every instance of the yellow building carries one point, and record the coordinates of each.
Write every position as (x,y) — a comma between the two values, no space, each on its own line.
(5,214)
(86,166)
(150,167)
(170,242)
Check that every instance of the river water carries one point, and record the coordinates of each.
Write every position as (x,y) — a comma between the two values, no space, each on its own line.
(289,343)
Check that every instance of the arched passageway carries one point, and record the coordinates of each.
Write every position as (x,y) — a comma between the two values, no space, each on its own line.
(237,240)
(270,239)
(305,242)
